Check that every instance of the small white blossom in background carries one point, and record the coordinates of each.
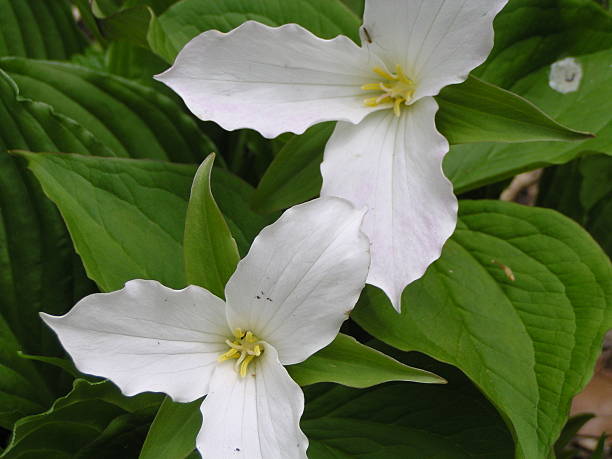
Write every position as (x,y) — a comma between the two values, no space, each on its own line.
(565,75)
(286,300)
(386,152)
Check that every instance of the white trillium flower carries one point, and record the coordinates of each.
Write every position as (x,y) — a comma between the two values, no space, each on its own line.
(385,152)
(286,300)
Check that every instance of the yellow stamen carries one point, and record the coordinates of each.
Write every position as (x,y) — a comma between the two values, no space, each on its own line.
(245,348)
(398,90)
(245,364)
(397,106)
(383,73)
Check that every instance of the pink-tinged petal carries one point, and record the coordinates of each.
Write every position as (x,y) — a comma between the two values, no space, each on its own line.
(393,165)
(147,337)
(272,79)
(301,278)
(438,42)
(255,417)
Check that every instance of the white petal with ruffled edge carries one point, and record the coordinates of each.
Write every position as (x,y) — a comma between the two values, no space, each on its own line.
(147,337)
(271,79)
(301,278)
(438,42)
(394,167)
(255,417)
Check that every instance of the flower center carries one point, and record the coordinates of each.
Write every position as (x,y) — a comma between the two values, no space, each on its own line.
(397,89)
(245,347)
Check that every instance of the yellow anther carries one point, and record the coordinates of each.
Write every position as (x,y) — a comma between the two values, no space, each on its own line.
(231,354)
(383,73)
(397,109)
(244,348)
(372,87)
(238,333)
(245,364)
(398,90)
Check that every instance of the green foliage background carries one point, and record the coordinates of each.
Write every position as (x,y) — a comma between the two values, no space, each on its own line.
(97,163)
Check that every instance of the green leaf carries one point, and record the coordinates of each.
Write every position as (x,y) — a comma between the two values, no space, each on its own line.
(131,25)
(174,430)
(356,5)
(58,362)
(186,19)
(402,420)
(582,190)
(532,34)
(294,176)
(477,111)
(472,166)
(22,389)
(519,301)
(76,421)
(130,119)
(210,251)
(39,267)
(573,425)
(233,195)
(104,8)
(126,217)
(600,449)
(40,30)
(346,361)
(133,62)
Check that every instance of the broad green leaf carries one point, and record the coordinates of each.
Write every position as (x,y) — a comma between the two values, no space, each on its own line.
(130,119)
(79,419)
(294,176)
(38,29)
(532,34)
(104,8)
(133,62)
(126,217)
(356,5)
(58,362)
(174,430)
(573,425)
(582,190)
(519,301)
(210,251)
(130,25)
(22,389)
(39,269)
(477,111)
(233,195)
(472,166)
(403,420)
(346,361)
(186,19)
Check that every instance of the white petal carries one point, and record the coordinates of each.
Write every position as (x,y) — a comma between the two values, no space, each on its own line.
(255,417)
(273,80)
(394,166)
(147,337)
(301,278)
(438,42)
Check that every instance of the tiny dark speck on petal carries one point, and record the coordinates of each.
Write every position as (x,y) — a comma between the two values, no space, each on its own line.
(237,449)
